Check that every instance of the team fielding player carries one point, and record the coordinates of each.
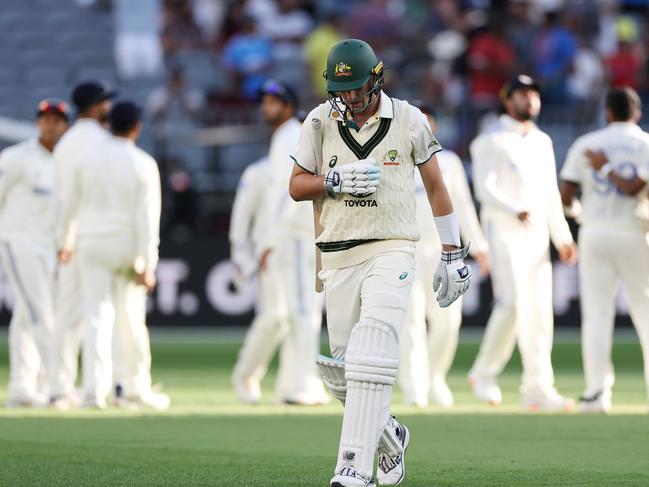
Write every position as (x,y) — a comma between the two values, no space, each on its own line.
(611,168)
(515,180)
(426,357)
(77,147)
(28,254)
(356,158)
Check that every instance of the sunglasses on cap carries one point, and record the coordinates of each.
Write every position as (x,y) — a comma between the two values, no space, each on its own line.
(58,107)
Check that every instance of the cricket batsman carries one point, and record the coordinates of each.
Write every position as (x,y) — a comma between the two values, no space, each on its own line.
(28,254)
(611,168)
(355,159)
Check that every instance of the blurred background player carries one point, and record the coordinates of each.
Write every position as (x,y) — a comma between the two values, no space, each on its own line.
(131,345)
(611,168)
(515,179)
(427,357)
(28,253)
(287,262)
(79,146)
(370,144)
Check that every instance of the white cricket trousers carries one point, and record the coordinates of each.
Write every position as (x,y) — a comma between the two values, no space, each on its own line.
(29,268)
(68,328)
(522,284)
(427,356)
(105,266)
(608,256)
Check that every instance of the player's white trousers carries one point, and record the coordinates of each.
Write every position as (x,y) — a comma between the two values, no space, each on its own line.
(105,265)
(522,284)
(269,326)
(68,328)
(376,291)
(608,257)
(131,342)
(29,268)
(427,356)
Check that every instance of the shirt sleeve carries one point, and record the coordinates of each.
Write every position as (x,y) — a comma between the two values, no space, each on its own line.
(66,183)
(246,204)
(575,163)
(643,164)
(9,174)
(149,209)
(464,207)
(485,176)
(309,143)
(424,143)
(557,224)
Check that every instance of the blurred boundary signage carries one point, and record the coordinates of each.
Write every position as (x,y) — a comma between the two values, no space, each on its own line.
(195,289)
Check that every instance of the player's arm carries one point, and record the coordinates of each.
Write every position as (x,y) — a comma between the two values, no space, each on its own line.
(440,203)
(305,185)
(629,186)
(9,174)
(148,225)
(69,195)
(247,203)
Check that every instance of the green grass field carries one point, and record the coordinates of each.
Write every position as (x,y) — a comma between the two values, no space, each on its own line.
(207,438)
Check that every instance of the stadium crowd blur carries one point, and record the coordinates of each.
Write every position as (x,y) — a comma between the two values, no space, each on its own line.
(198,64)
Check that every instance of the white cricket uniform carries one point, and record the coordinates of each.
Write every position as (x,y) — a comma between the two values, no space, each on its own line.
(78,146)
(421,365)
(28,256)
(248,227)
(613,244)
(368,247)
(113,200)
(290,236)
(516,172)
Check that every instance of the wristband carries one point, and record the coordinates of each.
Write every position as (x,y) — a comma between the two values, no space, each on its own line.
(448,229)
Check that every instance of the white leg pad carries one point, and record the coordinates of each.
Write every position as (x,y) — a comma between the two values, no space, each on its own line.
(371,365)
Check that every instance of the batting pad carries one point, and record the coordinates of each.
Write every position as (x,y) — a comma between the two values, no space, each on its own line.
(371,365)
(333,376)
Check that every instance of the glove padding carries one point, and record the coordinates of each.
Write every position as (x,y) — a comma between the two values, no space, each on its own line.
(452,276)
(358,179)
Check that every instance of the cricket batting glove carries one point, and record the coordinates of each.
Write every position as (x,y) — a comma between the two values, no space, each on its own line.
(452,276)
(358,179)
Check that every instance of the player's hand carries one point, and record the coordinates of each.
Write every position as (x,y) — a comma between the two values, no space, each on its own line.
(263,260)
(596,159)
(452,276)
(568,253)
(482,258)
(64,255)
(358,179)
(146,279)
(524,217)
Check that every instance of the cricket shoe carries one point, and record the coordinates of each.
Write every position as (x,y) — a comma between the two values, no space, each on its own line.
(486,390)
(549,401)
(248,389)
(392,470)
(440,393)
(151,399)
(600,402)
(65,402)
(33,400)
(349,477)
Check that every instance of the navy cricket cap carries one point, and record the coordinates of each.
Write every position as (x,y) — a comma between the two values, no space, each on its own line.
(520,82)
(53,105)
(88,93)
(280,90)
(124,116)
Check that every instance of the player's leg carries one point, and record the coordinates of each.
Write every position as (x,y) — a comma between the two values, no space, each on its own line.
(413,379)
(263,337)
(499,337)
(371,364)
(442,344)
(97,282)
(67,336)
(598,281)
(31,319)
(635,275)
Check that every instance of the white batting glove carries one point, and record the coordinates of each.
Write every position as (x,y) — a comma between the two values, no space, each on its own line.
(358,179)
(452,276)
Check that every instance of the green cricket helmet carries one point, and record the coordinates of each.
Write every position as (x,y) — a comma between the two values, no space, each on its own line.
(352,63)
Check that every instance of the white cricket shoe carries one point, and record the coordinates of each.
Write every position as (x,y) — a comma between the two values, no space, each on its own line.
(548,401)
(486,390)
(600,402)
(392,470)
(248,389)
(33,400)
(440,393)
(93,403)
(349,477)
(65,402)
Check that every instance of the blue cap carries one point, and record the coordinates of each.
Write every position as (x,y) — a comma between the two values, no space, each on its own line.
(281,90)
(124,116)
(88,93)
